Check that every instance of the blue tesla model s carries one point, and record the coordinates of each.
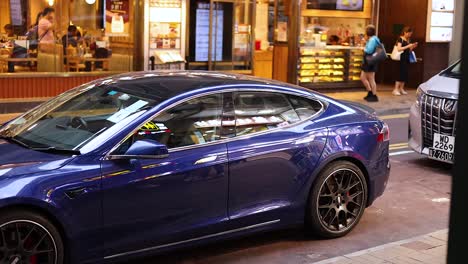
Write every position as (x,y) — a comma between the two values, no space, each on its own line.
(146,162)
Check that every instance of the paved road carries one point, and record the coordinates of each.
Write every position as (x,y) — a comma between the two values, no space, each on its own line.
(416,202)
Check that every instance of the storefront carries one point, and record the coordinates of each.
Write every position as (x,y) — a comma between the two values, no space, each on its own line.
(255,38)
(89,39)
(200,35)
(323,42)
(313,43)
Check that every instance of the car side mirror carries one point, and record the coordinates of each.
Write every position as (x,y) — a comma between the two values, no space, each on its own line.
(144,149)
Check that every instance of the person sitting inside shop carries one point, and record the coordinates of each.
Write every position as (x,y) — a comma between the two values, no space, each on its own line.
(9,32)
(333,40)
(70,39)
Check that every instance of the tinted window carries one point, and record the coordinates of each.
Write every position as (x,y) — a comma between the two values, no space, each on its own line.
(194,122)
(304,107)
(260,111)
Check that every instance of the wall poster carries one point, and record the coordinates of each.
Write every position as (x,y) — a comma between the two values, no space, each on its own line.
(118,16)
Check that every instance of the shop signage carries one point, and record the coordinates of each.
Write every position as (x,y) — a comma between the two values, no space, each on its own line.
(347,5)
(117,14)
(440,17)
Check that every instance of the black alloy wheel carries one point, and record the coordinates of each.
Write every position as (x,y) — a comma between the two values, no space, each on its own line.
(27,238)
(337,200)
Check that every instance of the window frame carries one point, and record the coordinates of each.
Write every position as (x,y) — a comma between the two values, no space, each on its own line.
(232,90)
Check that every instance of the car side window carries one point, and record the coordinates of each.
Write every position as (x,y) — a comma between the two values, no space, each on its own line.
(304,107)
(261,111)
(194,122)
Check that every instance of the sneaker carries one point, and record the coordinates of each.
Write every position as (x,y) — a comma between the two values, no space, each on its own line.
(373,98)
(397,93)
(369,94)
(403,92)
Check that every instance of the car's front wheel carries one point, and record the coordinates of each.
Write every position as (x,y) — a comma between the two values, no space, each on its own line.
(337,200)
(27,237)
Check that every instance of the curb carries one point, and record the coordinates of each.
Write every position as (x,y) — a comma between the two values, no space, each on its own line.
(347,257)
(394,111)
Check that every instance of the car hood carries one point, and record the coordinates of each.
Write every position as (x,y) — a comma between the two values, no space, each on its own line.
(17,160)
(441,86)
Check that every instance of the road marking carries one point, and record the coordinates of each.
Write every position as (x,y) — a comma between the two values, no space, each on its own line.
(401,152)
(386,117)
(398,147)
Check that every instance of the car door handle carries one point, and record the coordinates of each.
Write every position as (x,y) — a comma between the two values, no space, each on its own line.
(206,160)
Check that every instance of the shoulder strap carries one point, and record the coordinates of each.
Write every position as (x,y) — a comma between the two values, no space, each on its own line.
(43,35)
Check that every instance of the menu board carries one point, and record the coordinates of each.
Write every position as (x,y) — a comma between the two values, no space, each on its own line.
(202,29)
(16,14)
(165,36)
(440,19)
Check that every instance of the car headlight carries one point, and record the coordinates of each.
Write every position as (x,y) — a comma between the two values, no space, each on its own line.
(419,96)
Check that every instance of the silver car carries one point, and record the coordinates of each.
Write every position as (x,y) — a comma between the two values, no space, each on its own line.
(432,116)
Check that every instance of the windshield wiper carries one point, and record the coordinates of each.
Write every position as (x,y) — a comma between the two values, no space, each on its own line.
(14,140)
(58,151)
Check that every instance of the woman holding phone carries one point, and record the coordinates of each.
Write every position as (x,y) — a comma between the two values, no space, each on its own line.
(405,46)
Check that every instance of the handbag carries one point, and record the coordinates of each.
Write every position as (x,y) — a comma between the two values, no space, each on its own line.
(396,55)
(412,57)
(378,56)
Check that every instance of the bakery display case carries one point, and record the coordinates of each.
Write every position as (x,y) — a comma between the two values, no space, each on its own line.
(337,65)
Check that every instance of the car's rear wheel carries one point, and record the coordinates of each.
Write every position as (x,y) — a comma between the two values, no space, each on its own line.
(27,237)
(337,200)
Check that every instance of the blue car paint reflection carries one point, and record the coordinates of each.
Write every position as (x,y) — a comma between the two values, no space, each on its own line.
(119,208)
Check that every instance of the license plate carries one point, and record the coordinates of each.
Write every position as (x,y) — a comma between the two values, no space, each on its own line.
(443,143)
(441,155)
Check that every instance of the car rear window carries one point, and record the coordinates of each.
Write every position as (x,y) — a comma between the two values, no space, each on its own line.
(305,108)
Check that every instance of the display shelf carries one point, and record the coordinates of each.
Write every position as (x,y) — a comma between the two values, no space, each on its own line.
(331,64)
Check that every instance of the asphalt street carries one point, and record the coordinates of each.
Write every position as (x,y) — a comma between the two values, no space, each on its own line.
(416,202)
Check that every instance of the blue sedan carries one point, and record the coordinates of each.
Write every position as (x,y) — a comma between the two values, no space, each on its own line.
(147,162)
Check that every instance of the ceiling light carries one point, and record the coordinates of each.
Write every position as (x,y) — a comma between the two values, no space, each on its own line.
(90,2)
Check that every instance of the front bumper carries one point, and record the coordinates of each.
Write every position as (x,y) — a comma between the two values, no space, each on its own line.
(415,132)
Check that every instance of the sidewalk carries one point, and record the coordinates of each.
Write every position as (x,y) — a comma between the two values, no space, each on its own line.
(388,104)
(426,249)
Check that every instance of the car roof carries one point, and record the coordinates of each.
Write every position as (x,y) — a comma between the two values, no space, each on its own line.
(162,85)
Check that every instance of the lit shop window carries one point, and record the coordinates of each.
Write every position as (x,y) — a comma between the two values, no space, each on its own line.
(66,36)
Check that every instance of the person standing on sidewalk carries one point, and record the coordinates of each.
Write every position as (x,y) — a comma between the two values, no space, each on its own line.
(404,45)
(368,70)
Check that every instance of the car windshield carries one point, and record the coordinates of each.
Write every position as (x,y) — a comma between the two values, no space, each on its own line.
(72,119)
(453,71)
